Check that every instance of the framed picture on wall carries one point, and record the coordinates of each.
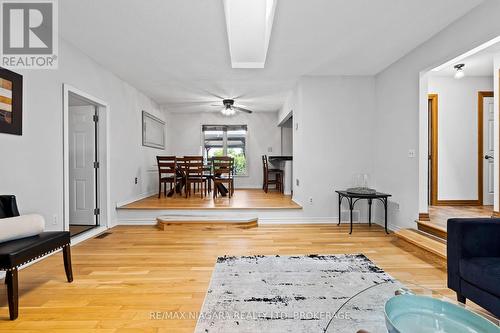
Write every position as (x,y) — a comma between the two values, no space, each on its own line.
(153,131)
(11,102)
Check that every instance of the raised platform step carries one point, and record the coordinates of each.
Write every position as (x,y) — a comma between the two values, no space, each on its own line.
(163,222)
(433,229)
(424,240)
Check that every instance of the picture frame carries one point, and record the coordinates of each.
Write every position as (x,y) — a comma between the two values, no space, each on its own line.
(153,131)
(11,102)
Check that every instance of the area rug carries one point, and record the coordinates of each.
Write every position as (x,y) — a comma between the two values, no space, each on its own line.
(313,293)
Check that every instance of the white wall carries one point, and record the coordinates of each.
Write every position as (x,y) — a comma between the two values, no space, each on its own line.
(32,164)
(287,137)
(333,141)
(184,138)
(397,109)
(458,134)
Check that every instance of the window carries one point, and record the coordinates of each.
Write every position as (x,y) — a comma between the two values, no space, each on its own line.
(227,140)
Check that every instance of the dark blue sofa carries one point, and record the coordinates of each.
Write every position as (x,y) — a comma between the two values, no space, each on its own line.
(474,261)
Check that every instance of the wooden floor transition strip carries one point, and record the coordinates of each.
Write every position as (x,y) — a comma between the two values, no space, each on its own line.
(163,222)
(433,229)
(424,241)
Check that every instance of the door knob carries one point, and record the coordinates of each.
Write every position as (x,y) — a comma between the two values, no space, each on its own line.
(488,157)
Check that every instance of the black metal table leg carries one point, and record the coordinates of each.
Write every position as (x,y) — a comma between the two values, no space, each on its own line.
(385,208)
(351,207)
(370,212)
(340,204)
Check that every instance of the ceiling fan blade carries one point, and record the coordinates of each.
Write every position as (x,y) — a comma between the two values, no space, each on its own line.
(239,96)
(213,94)
(217,105)
(242,109)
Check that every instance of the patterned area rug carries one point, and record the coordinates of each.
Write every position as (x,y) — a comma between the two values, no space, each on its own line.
(314,293)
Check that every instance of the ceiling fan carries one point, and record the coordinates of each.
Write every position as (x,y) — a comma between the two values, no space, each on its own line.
(230,109)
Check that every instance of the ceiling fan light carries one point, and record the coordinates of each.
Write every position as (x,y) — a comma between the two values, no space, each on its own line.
(460,71)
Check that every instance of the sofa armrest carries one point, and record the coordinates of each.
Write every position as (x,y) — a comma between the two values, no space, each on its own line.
(467,238)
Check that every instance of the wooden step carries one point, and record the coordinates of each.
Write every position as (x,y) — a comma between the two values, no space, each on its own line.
(163,222)
(433,229)
(423,240)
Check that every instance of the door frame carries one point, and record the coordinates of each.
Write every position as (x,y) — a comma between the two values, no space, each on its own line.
(103,183)
(433,98)
(480,139)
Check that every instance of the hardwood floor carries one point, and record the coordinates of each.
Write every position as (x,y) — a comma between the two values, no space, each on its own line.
(439,215)
(120,279)
(78,229)
(242,199)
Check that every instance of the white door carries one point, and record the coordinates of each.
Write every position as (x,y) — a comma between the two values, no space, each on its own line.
(488,150)
(82,182)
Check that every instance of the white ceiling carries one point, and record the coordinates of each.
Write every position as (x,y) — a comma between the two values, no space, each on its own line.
(176,51)
(479,64)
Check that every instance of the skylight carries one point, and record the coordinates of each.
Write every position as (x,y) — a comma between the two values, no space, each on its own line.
(249,24)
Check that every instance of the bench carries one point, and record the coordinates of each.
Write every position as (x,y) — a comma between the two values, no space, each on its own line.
(15,253)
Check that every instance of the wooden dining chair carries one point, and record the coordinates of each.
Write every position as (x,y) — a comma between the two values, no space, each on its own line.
(182,166)
(167,166)
(195,175)
(223,173)
(267,176)
(208,173)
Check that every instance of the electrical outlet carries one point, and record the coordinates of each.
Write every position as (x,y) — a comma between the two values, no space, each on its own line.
(396,206)
(135,180)
(411,153)
(270,149)
(297,182)
(310,200)
(54,219)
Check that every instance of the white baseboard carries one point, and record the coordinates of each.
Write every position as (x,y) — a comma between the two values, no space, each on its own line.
(298,220)
(139,221)
(87,235)
(139,197)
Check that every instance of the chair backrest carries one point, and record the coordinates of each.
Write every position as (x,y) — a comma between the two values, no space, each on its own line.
(166,165)
(223,166)
(265,165)
(8,206)
(193,166)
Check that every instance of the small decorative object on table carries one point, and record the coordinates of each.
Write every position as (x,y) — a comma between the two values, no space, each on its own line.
(361,185)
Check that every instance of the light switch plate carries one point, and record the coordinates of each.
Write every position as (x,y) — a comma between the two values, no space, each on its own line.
(411,153)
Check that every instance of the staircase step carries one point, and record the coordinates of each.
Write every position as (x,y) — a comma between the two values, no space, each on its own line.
(424,240)
(433,229)
(243,221)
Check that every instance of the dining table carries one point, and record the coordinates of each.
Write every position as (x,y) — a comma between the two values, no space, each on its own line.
(181,183)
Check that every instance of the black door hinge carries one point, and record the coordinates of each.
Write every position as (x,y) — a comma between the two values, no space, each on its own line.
(95,118)
(96,165)
(97,211)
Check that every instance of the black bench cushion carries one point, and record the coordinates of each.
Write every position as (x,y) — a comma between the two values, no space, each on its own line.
(483,273)
(17,252)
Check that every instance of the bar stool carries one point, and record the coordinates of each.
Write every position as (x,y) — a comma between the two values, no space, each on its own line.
(278,176)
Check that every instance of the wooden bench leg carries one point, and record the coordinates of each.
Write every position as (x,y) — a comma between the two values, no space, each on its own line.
(67,263)
(12,293)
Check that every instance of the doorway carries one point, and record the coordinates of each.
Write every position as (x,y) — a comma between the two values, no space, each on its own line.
(83,165)
(85,162)
(440,209)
